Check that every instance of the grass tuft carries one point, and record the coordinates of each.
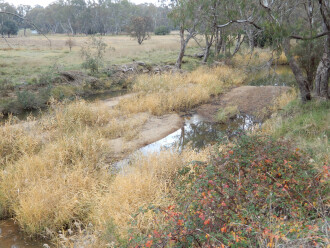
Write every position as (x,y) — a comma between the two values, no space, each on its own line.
(226,113)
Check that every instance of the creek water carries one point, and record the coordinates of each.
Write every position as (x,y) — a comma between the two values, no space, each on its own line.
(196,133)
(11,237)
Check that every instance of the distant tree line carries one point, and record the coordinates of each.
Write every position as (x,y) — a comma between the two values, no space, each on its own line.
(82,17)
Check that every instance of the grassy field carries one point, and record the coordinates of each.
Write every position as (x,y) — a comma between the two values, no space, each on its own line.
(31,56)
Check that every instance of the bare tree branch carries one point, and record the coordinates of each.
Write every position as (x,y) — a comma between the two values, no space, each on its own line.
(309,38)
(240,22)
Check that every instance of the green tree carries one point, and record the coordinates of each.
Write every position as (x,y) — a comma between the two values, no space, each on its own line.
(162,30)
(93,53)
(140,27)
(9,27)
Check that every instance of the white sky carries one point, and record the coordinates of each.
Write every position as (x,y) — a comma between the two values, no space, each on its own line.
(46,2)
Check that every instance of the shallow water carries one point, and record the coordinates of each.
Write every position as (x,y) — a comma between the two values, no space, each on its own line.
(11,237)
(198,133)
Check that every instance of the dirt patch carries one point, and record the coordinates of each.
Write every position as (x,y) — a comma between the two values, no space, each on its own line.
(156,128)
(115,100)
(250,100)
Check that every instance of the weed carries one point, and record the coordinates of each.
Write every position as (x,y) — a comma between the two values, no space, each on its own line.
(226,113)
(28,100)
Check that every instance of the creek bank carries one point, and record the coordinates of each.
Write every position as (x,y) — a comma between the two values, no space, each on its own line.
(27,97)
(250,100)
(199,127)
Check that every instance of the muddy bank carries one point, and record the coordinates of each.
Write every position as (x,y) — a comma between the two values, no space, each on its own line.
(250,100)
(12,237)
(155,128)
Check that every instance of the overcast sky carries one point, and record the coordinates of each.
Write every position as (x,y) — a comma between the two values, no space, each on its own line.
(46,2)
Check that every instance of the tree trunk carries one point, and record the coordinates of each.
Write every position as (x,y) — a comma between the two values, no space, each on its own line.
(207,47)
(218,42)
(323,73)
(301,80)
(238,44)
(223,46)
(184,43)
(250,35)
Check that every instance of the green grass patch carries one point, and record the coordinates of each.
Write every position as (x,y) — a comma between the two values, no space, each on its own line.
(306,124)
(223,115)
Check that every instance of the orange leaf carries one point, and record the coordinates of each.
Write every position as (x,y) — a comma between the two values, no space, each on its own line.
(149,243)
(207,222)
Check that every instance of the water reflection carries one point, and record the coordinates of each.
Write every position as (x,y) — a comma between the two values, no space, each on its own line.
(199,133)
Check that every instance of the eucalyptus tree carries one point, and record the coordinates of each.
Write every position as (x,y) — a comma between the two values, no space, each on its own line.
(301,22)
(23,11)
(8,23)
(139,28)
(291,24)
(186,15)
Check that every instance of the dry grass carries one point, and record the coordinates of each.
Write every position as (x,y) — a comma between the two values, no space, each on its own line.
(149,181)
(160,94)
(15,143)
(109,122)
(48,190)
(64,183)
(259,57)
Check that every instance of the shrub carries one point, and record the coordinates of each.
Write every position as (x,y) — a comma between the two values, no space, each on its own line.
(28,100)
(6,86)
(162,30)
(258,193)
(93,54)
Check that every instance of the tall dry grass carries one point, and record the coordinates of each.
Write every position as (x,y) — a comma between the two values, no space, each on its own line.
(147,182)
(160,94)
(50,189)
(109,122)
(259,57)
(15,143)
